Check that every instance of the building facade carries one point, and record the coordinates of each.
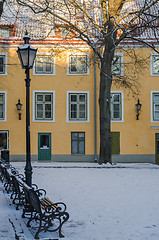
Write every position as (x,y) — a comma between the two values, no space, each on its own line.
(64,94)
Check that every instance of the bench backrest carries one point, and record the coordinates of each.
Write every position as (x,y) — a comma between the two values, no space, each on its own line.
(34,201)
(15,185)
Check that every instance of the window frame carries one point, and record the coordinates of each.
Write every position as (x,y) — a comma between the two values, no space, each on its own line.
(44,54)
(152,106)
(151,64)
(4,55)
(77,54)
(121,106)
(68,107)
(5,106)
(78,140)
(122,69)
(35,92)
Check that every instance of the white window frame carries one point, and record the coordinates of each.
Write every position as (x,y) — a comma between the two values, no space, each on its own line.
(5,131)
(151,64)
(53,64)
(122,106)
(68,107)
(77,54)
(34,108)
(152,106)
(122,61)
(5,68)
(5,106)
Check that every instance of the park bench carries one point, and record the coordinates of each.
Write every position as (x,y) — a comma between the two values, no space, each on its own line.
(50,216)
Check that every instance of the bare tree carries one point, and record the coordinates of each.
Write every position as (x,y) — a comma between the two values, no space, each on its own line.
(103,25)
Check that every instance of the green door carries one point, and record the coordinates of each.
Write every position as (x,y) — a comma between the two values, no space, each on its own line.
(115,146)
(157,148)
(44,146)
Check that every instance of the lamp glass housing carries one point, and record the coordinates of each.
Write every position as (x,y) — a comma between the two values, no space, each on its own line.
(138,105)
(26,53)
(19,105)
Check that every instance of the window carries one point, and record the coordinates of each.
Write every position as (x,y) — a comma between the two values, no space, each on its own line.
(117,65)
(78,143)
(155,106)
(44,106)
(154,64)
(4,139)
(77,109)
(116,106)
(4,32)
(3,63)
(78,64)
(44,65)
(2,106)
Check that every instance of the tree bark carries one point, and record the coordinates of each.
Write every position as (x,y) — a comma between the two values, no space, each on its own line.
(105,115)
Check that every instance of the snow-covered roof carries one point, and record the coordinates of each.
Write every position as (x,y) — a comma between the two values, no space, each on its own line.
(41,26)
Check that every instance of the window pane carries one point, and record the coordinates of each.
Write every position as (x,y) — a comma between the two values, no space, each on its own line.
(73,111)
(116,115)
(48,98)
(155,64)
(74,136)
(44,141)
(39,64)
(156,107)
(116,107)
(73,68)
(39,111)
(74,147)
(82,98)
(116,97)
(81,147)
(116,65)
(82,64)
(47,110)
(39,107)
(2,64)
(73,98)
(73,60)
(48,67)
(39,97)
(156,115)
(81,136)
(1,98)
(156,98)
(1,111)
(3,140)
(82,111)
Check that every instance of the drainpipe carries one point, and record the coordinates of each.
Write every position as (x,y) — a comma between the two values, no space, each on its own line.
(95,112)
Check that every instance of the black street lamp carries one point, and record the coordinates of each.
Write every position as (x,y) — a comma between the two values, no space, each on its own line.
(138,109)
(27,55)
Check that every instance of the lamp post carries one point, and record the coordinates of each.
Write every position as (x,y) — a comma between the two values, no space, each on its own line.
(27,55)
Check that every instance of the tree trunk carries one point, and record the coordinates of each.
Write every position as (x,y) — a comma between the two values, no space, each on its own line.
(105,115)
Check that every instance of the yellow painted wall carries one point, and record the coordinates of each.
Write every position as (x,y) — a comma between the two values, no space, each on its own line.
(136,137)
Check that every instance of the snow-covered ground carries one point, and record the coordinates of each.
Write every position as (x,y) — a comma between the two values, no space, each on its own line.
(104,203)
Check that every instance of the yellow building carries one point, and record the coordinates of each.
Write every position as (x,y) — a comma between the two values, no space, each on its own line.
(64,102)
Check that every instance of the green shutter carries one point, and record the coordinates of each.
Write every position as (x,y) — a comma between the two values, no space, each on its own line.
(115,138)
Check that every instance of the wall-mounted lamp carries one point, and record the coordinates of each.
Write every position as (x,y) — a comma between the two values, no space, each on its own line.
(19,107)
(138,109)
